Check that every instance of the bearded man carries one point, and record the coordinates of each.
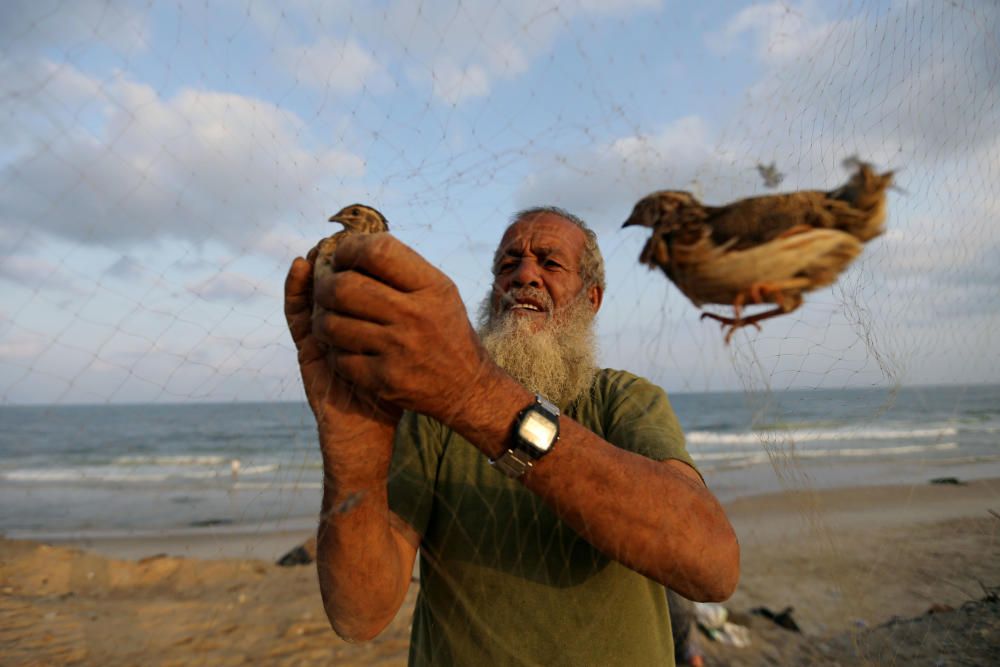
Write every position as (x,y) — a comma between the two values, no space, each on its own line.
(550,501)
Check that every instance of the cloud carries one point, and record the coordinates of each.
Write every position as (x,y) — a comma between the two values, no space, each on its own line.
(911,84)
(779,32)
(453,84)
(38,273)
(21,349)
(126,268)
(338,66)
(231,286)
(458,50)
(196,166)
(603,182)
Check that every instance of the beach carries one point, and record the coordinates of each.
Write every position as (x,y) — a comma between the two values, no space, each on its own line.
(875,575)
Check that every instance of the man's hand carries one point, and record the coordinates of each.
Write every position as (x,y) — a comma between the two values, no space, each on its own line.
(398,329)
(334,402)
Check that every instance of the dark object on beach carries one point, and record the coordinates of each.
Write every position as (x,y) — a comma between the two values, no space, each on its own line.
(783,618)
(207,523)
(304,554)
(150,559)
(948,480)
(938,608)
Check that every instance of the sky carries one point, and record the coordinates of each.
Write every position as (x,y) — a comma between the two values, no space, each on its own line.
(162,163)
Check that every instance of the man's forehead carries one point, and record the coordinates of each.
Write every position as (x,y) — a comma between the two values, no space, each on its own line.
(544,231)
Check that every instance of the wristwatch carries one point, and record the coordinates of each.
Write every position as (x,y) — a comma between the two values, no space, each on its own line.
(536,430)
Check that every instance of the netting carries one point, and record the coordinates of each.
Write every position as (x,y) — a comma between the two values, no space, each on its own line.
(162,163)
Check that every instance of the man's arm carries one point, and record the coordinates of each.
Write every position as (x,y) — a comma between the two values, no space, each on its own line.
(364,553)
(399,329)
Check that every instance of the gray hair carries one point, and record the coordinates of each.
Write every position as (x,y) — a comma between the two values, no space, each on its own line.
(591,263)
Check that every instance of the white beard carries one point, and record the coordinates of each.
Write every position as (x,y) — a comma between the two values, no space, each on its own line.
(558,361)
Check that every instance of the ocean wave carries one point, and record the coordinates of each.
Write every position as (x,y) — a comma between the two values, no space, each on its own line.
(848,452)
(124,475)
(276,486)
(177,460)
(759,437)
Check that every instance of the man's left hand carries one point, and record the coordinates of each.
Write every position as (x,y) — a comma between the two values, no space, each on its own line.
(398,327)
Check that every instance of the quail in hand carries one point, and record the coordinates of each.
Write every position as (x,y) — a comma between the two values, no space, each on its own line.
(356,219)
(769,249)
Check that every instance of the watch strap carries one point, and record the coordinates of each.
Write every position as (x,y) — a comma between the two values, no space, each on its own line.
(513,463)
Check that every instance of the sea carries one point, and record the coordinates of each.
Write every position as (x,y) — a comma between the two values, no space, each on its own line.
(78,471)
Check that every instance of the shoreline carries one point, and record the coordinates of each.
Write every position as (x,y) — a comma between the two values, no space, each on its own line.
(870,503)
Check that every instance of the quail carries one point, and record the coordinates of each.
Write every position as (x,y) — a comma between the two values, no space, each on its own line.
(356,219)
(769,172)
(768,249)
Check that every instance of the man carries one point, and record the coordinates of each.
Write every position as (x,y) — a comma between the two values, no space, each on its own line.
(534,550)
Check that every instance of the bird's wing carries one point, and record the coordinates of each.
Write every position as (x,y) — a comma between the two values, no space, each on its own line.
(757,220)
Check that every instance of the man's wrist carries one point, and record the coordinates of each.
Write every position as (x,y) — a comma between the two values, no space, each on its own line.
(490,410)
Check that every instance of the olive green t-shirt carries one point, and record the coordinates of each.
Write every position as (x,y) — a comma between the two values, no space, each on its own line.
(503,580)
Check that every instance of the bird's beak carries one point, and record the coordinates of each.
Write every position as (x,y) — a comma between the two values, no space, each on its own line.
(336,218)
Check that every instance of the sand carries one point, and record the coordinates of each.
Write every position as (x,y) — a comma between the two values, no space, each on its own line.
(861,567)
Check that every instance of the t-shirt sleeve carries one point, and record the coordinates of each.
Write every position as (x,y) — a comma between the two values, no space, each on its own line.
(416,452)
(640,419)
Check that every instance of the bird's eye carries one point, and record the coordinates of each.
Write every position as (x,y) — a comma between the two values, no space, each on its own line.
(355,212)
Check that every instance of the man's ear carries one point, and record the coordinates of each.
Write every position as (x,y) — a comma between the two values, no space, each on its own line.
(595,295)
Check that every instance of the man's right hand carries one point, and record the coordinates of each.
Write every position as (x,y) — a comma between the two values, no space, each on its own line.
(335,404)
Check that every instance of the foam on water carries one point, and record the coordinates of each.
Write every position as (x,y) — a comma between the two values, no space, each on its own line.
(838,435)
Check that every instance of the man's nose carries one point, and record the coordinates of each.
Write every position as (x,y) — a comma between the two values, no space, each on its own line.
(526,273)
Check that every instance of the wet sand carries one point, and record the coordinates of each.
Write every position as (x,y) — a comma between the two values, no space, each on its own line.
(849,561)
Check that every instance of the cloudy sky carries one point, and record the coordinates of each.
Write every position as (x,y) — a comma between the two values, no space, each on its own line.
(161,163)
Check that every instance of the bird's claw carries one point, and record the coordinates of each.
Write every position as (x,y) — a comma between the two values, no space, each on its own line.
(732,323)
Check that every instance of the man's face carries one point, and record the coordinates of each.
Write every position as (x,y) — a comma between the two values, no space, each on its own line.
(537,322)
(538,269)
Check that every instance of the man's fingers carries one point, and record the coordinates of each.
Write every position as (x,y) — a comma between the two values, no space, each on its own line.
(358,295)
(298,298)
(354,368)
(346,334)
(298,287)
(386,259)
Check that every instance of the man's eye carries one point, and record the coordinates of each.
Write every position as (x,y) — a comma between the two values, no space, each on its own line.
(552,264)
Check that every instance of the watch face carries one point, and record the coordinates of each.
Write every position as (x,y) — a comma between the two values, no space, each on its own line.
(538,431)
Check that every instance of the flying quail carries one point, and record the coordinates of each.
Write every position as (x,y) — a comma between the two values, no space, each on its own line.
(769,249)
(356,219)
(769,172)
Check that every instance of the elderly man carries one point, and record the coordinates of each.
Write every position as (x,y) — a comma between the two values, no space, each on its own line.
(550,501)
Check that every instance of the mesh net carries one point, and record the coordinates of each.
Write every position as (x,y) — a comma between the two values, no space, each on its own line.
(163,163)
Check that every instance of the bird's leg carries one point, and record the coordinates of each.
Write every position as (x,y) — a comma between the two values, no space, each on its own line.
(735,324)
(759,292)
(776,291)
(738,305)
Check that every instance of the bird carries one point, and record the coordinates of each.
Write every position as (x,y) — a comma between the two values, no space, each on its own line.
(765,249)
(769,172)
(356,219)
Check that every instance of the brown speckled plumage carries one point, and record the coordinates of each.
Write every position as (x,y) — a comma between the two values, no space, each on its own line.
(768,249)
(356,219)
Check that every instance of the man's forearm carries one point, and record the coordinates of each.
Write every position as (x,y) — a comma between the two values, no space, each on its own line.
(656,517)
(361,559)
